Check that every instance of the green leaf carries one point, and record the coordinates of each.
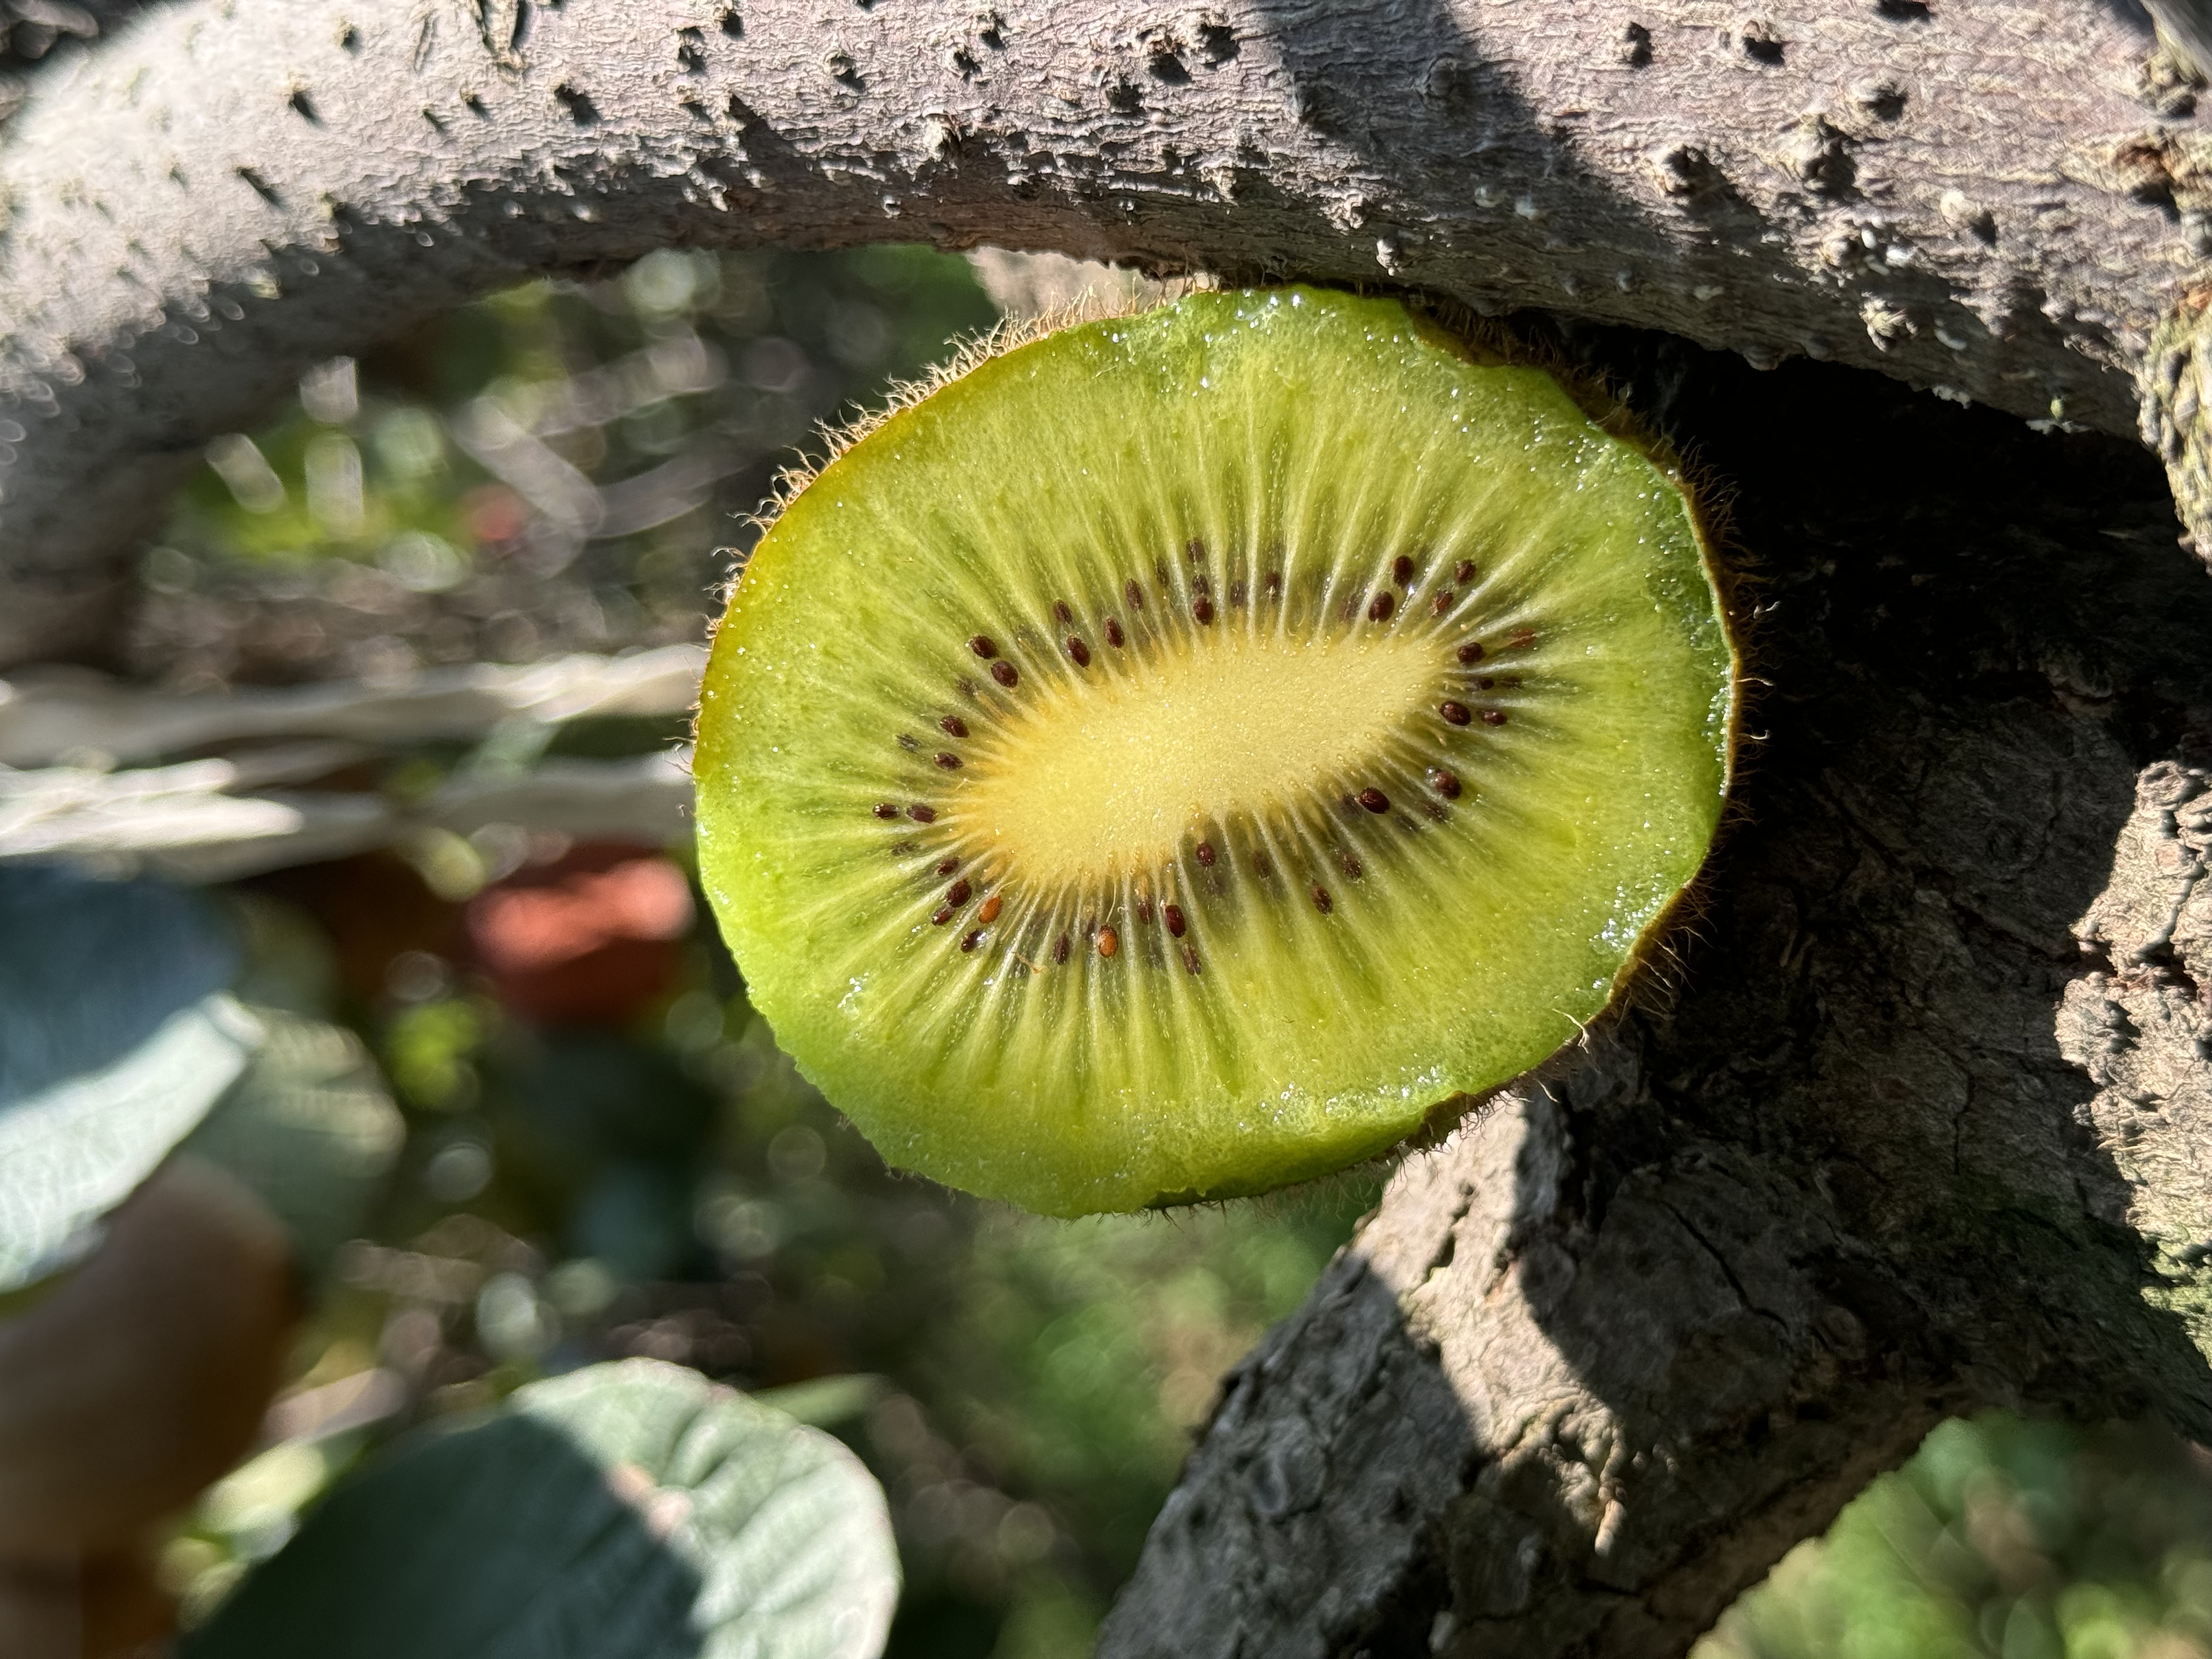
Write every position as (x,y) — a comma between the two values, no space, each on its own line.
(115,1038)
(310,1128)
(625,1509)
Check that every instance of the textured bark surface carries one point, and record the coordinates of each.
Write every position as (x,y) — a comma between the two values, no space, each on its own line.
(1921,1126)
(1916,1123)
(2002,200)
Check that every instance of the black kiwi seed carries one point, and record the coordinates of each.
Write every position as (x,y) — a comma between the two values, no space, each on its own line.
(1485,684)
(1196,549)
(1401,571)
(1260,867)
(1322,902)
(1493,717)
(1455,712)
(1004,673)
(944,913)
(1060,948)
(1134,594)
(1175,918)
(1202,608)
(1463,572)
(1444,783)
(953,725)
(1471,652)
(1441,603)
(1060,613)
(922,814)
(1206,854)
(1352,866)
(1078,652)
(950,762)
(956,894)
(946,866)
(1114,634)
(972,940)
(1274,584)
(885,809)
(1378,607)
(1374,800)
(982,645)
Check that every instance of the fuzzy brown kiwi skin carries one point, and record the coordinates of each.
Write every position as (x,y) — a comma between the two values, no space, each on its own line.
(1651,976)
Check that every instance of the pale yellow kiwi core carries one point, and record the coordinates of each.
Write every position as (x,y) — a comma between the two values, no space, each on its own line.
(1093,779)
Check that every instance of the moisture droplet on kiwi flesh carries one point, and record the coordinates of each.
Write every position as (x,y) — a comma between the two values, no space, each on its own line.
(1169,760)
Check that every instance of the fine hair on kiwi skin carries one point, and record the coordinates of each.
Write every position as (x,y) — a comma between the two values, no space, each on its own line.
(1647,971)
(968,353)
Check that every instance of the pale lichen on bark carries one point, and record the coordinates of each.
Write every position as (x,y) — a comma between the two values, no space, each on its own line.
(2140,1025)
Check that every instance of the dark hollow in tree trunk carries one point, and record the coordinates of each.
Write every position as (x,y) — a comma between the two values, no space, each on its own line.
(1601,1357)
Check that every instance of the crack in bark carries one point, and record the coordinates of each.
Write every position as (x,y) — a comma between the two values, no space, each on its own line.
(1727,1271)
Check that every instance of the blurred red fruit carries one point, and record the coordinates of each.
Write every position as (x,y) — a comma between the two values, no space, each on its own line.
(588,940)
(494,515)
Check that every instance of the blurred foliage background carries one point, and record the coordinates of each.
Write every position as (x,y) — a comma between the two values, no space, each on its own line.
(608,1156)
(2005,1538)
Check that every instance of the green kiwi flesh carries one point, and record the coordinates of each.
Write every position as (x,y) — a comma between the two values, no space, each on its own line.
(1169,760)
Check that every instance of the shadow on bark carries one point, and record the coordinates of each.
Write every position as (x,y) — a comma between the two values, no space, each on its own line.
(1598,1360)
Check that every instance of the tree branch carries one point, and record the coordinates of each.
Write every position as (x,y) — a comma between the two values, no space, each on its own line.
(1424,1460)
(63,732)
(2006,203)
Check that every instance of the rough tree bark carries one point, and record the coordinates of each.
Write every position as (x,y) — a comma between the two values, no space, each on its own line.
(1918,1120)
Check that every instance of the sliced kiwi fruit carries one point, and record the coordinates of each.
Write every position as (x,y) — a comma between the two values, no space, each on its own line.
(1169,759)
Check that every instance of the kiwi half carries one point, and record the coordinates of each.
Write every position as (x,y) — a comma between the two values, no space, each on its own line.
(1167,760)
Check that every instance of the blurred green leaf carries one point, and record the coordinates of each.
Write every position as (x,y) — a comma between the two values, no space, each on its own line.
(2002,1538)
(630,1509)
(115,1039)
(310,1128)
(826,1400)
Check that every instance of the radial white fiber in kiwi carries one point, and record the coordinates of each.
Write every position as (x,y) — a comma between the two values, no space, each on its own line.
(1168,760)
